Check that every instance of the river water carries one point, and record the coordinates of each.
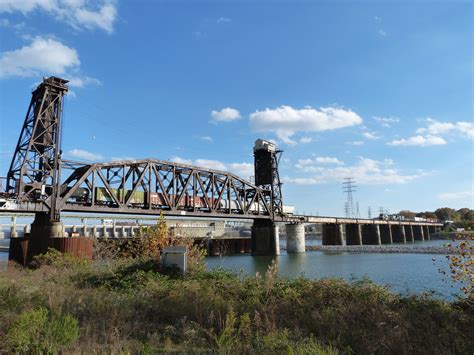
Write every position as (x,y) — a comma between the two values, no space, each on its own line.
(404,273)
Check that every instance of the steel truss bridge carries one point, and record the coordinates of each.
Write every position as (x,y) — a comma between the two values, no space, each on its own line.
(39,180)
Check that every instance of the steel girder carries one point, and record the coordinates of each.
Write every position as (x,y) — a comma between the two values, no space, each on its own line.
(154,186)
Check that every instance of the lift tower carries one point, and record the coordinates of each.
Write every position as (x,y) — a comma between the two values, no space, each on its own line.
(265,238)
(267,177)
(34,172)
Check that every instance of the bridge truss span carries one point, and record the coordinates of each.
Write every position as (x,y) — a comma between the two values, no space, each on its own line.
(154,186)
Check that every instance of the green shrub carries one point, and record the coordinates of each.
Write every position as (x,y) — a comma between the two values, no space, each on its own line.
(36,331)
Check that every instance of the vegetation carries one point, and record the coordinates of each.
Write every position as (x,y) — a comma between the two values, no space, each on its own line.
(462,218)
(130,306)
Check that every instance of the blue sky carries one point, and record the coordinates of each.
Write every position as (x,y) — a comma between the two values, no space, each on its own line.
(381,92)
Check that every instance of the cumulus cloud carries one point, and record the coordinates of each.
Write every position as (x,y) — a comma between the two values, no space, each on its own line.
(356,143)
(304,164)
(457,195)
(386,121)
(285,121)
(82,82)
(206,138)
(370,135)
(225,115)
(244,170)
(382,33)
(42,55)
(306,140)
(365,171)
(77,13)
(421,141)
(440,128)
(84,155)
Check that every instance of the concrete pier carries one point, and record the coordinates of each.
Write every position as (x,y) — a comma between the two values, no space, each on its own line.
(426,232)
(371,234)
(398,234)
(418,233)
(295,238)
(409,233)
(386,234)
(265,238)
(353,234)
(333,234)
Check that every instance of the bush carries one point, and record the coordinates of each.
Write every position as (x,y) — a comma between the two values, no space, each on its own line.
(36,331)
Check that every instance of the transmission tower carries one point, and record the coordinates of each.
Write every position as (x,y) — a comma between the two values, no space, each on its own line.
(369,212)
(348,187)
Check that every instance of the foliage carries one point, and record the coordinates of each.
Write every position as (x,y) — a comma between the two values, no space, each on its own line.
(57,259)
(461,263)
(128,306)
(36,331)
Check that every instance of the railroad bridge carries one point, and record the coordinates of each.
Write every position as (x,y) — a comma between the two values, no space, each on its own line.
(39,181)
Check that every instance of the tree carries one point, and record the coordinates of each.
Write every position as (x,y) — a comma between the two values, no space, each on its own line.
(407,214)
(446,213)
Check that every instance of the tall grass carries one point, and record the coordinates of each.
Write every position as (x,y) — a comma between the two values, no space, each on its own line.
(130,306)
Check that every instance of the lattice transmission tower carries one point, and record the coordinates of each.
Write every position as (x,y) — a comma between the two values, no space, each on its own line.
(348,187)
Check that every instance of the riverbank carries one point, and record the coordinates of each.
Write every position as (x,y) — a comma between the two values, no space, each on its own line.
(131,306)
(411,249)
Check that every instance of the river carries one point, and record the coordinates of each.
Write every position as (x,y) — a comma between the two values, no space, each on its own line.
(403,273)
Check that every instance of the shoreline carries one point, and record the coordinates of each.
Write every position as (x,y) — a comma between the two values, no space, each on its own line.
(402,249)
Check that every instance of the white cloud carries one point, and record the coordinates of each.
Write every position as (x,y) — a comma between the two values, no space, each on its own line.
(122,158)
(285,121)
(422,141)
(244,170)
(77,13)
(221,20)
(304,164)
(84,154)
(356,143)
(365,171)
(306,140)
(439,128)
(82,82)
(382,33)
(225,115)
(206,138)
(370,135)
(386,121)
(42,55)
(457,195)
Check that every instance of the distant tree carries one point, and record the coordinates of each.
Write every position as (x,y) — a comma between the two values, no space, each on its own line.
(407,214)
(430,215)
(446,213)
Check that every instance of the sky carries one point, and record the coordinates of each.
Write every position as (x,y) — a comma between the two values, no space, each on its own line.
(381,92)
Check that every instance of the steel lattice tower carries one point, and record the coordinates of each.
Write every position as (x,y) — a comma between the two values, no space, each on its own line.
(348,187)
(35,168)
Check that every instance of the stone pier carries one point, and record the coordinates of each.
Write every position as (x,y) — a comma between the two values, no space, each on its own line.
(333,234)
(371,234)
(398,233)
(418,233)
(409,233)
(353,234)
(385,234)
(265,238)
(295,238)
